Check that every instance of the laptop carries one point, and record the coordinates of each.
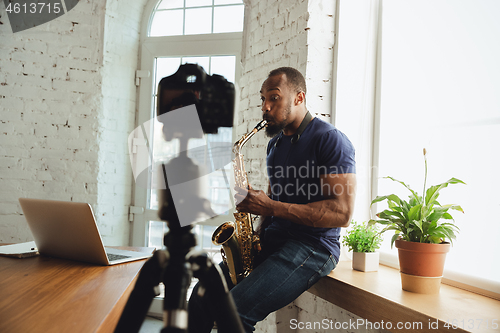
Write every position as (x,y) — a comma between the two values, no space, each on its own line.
(68,230)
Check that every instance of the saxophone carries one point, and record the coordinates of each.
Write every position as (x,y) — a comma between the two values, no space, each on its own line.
(239,244)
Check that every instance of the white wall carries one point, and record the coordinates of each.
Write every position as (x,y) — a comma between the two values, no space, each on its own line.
(67,103)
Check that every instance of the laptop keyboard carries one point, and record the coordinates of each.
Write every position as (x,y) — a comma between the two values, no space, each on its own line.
(113,257)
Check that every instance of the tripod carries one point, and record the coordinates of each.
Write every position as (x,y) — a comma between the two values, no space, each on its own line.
(209,102)
(175,268)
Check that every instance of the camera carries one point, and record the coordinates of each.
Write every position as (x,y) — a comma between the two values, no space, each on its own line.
(213,96)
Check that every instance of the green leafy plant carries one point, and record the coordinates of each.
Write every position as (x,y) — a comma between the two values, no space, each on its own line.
(419,219)
(362,238)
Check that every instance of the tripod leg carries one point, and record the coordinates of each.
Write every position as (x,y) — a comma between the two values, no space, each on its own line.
(177,278)
(143,293)
(214,286)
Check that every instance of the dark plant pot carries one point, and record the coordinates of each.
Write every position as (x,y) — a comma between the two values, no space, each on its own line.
(421,265)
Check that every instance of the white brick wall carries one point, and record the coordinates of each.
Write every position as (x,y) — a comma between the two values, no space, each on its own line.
(309,311)
(117,117)
(67,104)
(38,128)
(319,57)
(275,35)
(314,309)
(296,33)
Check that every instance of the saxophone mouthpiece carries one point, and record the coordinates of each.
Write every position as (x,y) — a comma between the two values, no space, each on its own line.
(261,125)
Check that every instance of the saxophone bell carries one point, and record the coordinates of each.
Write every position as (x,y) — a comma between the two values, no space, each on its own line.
(226,236)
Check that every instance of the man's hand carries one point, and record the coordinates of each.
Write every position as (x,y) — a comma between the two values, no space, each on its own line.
(253,201)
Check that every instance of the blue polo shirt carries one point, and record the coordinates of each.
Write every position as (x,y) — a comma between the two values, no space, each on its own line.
(294,170)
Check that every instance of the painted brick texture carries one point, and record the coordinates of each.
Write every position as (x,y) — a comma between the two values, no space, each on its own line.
(296,33)
(315,309)
(117,117)
(65,112)
(275,35)
(68,100)
(48,104)
(292,33)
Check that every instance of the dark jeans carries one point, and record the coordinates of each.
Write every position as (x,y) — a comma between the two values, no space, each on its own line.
(289,268)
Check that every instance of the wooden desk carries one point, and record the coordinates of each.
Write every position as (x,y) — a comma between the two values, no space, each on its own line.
(42,294)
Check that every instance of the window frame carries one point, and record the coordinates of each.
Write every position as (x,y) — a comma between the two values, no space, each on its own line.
(216,44)
(150,48)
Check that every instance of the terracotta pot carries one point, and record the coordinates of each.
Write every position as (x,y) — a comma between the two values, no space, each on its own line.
(422,259)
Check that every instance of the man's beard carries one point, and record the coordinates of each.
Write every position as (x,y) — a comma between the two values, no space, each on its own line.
(274,129)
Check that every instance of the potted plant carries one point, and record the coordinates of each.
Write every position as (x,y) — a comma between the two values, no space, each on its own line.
(423,231)
(363,240)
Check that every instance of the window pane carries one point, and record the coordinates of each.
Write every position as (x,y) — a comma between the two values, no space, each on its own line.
(162,150)
(228,18)
(198,3)
(202,61)
(157,229)
(169,4)
(438,94)
(167,23)
(225,66)
(166,67)
(227,2)
(220,152)
(198,21)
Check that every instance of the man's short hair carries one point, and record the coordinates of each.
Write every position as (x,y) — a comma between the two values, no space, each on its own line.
(295,79)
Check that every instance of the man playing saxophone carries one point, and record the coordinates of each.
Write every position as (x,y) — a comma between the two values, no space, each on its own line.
(312,182)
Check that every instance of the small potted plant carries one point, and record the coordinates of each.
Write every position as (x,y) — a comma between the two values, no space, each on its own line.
(363,240)
(423,231)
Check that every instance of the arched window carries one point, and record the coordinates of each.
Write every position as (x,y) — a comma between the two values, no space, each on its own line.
(191,17)
(174,32)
